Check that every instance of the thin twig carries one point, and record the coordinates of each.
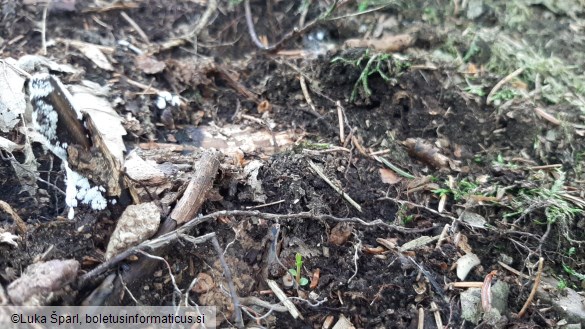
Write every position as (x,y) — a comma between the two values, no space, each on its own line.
(534,288)
(211,8)
(335,187)
(135,26)
(307,95)
(44,30)
(291,34)
(266,204)
(228,276)
(502,82)
(341,123)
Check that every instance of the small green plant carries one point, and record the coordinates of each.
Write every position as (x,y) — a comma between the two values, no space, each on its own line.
(301,281)
(475,89)
(430,15)
(460,191)
(562,285)
(387,66)
(402,216)
(501,163)
(363,5)
(574,273)
(504,95)
(473,50)
(572,251)
(552,203)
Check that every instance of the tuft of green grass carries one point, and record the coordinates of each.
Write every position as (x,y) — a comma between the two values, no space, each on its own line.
(557,210)
(461,190)
(388,66)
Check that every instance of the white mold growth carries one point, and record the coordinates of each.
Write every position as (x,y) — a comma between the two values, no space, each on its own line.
(45,118)
(79,189)
(40,86)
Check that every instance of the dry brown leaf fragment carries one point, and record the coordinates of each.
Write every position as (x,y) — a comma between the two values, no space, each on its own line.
(264,106)
(94,54)
(137,223)
(149,64)
(374,250)
(340,233)
(389,244)
(315,279)
(204,283)
(389,177)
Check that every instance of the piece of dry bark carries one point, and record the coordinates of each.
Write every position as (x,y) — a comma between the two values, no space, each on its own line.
(106,131)
(389,44)
(201,182)
(39,280)
(428,154)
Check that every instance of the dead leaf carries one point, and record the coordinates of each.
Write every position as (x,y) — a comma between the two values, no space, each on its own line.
(149,64)
(94,54)
(465,264)
(137,223)
(340,233)
(315,279)
(264,106)
(105,126)
(388,176)
(204,283)
(12,99)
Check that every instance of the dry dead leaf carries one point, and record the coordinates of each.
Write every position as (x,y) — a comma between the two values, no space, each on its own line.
(137,223)
(94,54)
(204,283)
(465,264)
(388,176)
(340,233)
(149,64)
(105,126)
(315,279)
(12,99)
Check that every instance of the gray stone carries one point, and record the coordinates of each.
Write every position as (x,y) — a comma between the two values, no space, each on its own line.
(137,223)
(470,305)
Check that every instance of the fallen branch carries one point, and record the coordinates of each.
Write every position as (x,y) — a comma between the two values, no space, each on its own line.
(169,237)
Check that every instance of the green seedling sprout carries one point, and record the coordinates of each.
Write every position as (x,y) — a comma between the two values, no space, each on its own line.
(302,281)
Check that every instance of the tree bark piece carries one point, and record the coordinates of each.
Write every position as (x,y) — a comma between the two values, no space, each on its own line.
(201,182)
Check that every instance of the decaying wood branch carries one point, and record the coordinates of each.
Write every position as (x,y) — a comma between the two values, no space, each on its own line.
(200,184)
(189,205)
